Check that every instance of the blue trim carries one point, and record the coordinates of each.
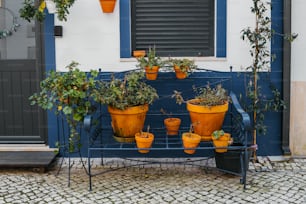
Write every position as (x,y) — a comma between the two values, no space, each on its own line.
(49,41)
(125,32)
(221,28)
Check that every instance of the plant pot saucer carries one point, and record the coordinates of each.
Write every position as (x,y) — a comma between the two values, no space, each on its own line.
(124,139)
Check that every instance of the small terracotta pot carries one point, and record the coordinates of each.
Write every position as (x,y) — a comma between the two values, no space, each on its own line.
(144,140)
(172,125)
(179,73)
(108,5)
(223,141)
(139,53)
(152,72)
(190,140)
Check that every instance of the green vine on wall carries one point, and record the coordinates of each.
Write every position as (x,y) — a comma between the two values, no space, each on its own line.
(13,27)
(259,39)
(35,11)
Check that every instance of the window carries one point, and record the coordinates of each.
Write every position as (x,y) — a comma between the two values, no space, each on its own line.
(175,27)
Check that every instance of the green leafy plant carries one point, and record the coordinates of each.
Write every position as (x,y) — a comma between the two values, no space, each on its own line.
(35,11)
(217,134)
(151,60)
(207,96)
(128,92)
(185,65)
(68,93)
(258,39)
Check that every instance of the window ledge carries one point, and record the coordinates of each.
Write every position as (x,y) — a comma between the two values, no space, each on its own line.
(196,59)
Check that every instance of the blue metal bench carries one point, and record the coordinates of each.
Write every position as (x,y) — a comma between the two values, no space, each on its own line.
(237,122)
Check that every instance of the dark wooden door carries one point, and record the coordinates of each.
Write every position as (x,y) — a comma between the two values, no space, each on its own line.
(20,55)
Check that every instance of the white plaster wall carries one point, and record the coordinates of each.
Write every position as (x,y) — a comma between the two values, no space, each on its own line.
(92,38)
(298,80)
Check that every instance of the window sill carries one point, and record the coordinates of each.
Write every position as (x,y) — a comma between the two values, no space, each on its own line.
(196,59)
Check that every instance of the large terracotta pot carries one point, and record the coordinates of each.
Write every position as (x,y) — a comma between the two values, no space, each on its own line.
(144,140)
(126,123)
(206,119)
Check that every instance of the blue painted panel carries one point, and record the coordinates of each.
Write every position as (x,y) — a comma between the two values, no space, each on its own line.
(221,28)
(125,30)
(49,41)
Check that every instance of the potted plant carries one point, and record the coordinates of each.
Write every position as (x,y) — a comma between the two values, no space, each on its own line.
(172,124)
(144,140)
(35,11)
(150,64)
(182,67)
(221,139)
(69,94)
(190,141)
(128,101)
(207,110)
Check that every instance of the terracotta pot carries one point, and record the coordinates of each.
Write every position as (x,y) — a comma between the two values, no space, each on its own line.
(152,73)
(223,141)
(108,5)
(139,53)
(172,125)
(190,140)
(144,140)
(179,73)
(126,123)
(206,119)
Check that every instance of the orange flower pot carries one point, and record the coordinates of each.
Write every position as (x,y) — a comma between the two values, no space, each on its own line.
(126,123)
(172,125)
(190,140)
(144,140)
(108,6)
(179,73)
(139,53)
(152,72)
(223,141)
(206,119)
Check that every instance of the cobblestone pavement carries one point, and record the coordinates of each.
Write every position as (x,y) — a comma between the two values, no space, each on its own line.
(267,182)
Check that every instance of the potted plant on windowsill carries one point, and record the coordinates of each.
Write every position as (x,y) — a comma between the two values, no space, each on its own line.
(128,101)
(182,67)
(150,64)
(69,94)
(207,110)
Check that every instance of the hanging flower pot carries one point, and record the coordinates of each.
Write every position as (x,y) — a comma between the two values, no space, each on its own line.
(190,142)
(152,72)
(172,125)
(108,5)
(144,140)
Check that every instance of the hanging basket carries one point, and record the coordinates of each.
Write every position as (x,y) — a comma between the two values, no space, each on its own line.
(107,5)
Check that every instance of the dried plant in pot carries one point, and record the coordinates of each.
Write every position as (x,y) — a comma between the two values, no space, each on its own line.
(172,124)
(190,141)
(207,110)
(144,140)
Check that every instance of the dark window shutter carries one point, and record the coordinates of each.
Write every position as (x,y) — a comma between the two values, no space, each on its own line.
(175,27)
